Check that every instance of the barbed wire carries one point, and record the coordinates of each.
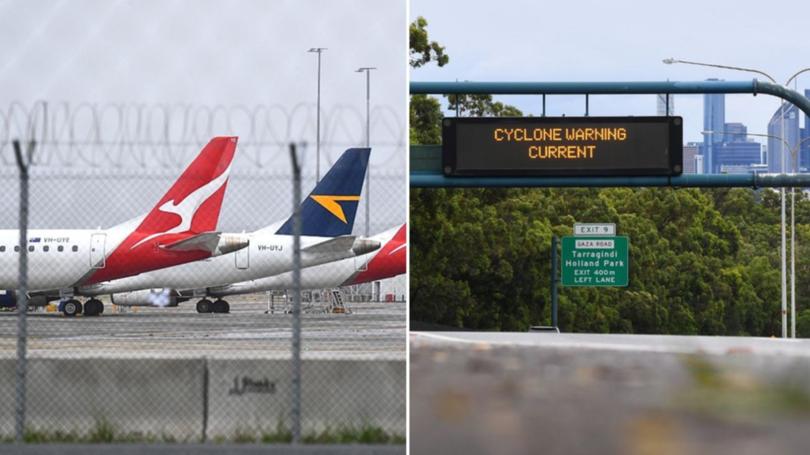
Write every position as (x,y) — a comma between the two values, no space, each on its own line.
(139,135)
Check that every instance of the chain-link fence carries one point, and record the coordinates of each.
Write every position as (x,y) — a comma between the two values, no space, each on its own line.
(150,320)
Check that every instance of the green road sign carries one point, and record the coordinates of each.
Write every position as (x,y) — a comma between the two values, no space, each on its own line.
(595,261)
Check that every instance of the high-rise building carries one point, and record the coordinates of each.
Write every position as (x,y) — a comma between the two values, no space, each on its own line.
(714,122)
(804,148)
(783,127)
(735,132)
(736,154)
(690,150)
(737,151)
(661,105)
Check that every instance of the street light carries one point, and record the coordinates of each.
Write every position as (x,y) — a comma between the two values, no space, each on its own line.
(794,156)
(318,50)
(367,70)
(670,61)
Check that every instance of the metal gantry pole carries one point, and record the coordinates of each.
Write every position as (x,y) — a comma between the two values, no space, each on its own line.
(22,303)
(784,240)
(792,263)
(554,282)
(296,305)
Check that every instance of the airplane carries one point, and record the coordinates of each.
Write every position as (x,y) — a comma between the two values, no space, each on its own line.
(327,218)
(180,228)
(387,262)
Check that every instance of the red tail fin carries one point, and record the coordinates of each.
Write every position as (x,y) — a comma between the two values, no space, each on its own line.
(193,202)
(191,206)
(389,261)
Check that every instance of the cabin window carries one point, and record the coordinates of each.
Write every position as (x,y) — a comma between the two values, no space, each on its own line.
(31,248)
(16,248)
(45,248)
(60,248)
(2,248)
(75,248)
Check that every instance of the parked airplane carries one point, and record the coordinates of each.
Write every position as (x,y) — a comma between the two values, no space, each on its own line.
(387,262)
(327,218)
(179,229)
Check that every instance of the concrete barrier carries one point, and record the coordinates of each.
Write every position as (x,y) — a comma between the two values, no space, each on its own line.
(255,397)
(7,396)
(151,397)
(191,399)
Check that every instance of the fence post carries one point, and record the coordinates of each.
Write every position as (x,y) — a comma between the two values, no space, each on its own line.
(296,304)
(22,300)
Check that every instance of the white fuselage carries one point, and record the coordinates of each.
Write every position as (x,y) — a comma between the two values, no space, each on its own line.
(328,275)
(57,258)
(267,254)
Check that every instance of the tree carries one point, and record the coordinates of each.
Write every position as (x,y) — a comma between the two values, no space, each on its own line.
(424,51)
(426,120)
(481,106)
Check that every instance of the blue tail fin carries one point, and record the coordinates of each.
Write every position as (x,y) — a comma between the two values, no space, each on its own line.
(330,208)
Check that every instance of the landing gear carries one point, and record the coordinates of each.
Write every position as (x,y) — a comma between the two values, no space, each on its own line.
(221,306)
(204,306)
(72,307)
(93,307)
(217,306)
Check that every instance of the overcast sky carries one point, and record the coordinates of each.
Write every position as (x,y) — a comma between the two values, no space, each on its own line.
(214,52)
(205,54)
(621,40)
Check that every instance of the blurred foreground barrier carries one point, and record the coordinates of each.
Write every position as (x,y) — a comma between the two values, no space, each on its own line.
(203,399)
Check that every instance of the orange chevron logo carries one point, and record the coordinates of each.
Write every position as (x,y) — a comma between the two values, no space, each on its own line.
(330,203)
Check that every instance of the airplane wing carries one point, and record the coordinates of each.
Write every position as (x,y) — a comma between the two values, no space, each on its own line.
(343,245)
(214,243)
(206,241)
(332,246)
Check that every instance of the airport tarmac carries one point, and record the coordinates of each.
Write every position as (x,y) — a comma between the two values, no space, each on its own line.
(516,393)
(370,330)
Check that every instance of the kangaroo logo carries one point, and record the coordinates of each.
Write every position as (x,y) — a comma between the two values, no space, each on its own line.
(331,204)
(187,207)
(396,249)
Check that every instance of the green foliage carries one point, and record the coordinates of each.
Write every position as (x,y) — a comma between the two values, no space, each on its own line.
(103,432)
(481,106)
(424,51)
(426,120)
(701,261)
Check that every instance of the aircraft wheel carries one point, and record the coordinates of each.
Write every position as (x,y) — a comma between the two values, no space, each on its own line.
(221,306)
(93,307)
(72,308)
(204,306)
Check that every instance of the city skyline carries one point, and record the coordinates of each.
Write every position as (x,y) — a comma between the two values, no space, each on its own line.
(620,41)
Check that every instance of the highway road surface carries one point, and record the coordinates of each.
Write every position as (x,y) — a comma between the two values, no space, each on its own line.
(518,393)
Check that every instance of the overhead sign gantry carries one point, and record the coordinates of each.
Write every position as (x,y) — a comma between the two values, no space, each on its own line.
(427,162)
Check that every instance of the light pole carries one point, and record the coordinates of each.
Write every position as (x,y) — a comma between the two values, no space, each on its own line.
(670,61)
(367,70)
(318,50)
(794,156)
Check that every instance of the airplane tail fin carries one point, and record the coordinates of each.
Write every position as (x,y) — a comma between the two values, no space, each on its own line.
(193,203)
(181,223)
(330,208)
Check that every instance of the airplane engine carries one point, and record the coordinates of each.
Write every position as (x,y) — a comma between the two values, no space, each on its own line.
(161,297)
(8,298)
